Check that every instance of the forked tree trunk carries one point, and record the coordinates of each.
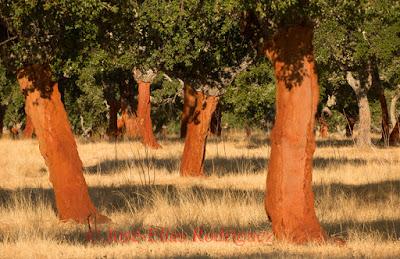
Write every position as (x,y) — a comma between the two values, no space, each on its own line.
(57,145)
(289,199)
(189,105)
(144,119)
(198,125)
(361,87)
(29,129)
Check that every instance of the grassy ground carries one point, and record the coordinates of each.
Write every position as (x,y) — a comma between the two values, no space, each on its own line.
(357,198)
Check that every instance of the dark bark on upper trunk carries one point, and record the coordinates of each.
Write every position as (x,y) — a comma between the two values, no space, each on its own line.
(376,83)
(198,125)
(57,145)
(289,199)
(114,106)
(189,105)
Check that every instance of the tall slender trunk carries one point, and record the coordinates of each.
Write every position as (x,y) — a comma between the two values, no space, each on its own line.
(216,122)
(364,131)
(57,145)
(393,107)
(384,108)
(29,129)
(144,118)
(198,125)
(289,199)
(2,113)
(394,138)
(112,130)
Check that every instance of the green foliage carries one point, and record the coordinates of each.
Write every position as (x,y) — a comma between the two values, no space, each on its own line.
(250,100)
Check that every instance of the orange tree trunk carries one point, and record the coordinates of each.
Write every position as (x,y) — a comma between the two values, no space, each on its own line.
(289,200)
(29,130)
(198,126)
(57,145)
(143,114)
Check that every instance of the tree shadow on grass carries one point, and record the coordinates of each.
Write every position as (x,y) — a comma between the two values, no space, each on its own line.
(219,166)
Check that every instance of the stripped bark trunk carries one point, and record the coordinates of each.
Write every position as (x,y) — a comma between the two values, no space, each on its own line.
(144,119)
(57,145)
(289,199)
(361,88)
(29,129)
(198,126)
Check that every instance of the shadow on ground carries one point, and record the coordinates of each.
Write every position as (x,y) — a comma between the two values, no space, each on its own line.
(219,166)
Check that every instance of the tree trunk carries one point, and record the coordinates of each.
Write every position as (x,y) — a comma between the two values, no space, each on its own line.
(289,199)
(198,125)
(324,128)
(393,107)
(364,131)
(350,122)
(57,145)
(394,139)
(2,113)
(29,129)
(144,119)
(112,130)
(216,120)
(384,108)
(189,105)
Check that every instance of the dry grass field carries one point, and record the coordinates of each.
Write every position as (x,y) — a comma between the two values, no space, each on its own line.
(357,198)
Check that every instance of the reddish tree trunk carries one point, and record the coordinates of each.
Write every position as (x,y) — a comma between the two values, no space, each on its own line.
(189,105)
(198,126)
(57,145)
(289,199)
(29,129)
(385,116)
(144,119)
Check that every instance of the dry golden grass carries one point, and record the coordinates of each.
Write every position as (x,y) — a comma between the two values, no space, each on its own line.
(357,198)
